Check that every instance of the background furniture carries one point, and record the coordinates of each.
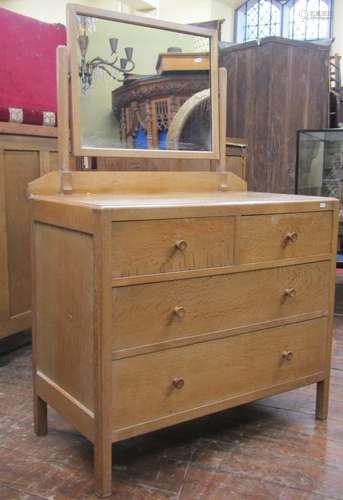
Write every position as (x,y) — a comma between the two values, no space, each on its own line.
(320,169)
(28,70)
(26,152)
(236,156)
(28,149)
(336,92)
(275,87)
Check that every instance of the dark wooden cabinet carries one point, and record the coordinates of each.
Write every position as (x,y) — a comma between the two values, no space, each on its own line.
(275,87)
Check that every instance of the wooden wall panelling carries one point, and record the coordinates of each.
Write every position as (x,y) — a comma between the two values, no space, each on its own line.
(274,89)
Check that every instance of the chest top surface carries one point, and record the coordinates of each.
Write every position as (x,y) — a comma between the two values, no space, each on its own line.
(154,189)
(167,190)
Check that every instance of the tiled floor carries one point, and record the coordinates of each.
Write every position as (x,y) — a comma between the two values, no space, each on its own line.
(273,449)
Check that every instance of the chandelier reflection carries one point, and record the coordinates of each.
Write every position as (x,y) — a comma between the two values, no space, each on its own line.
(116,67)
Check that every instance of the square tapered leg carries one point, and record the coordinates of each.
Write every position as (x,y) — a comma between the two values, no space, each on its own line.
(40,415)
(103,469)
(322,401)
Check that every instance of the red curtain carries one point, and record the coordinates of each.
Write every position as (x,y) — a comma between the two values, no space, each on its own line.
(28,62)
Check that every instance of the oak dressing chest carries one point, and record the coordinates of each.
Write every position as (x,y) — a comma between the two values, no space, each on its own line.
(153,306)
(159,297)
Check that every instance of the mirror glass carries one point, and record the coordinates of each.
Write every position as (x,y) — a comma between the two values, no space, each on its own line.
(142,87)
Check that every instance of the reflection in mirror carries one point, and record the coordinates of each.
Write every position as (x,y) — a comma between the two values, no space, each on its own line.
(143,87)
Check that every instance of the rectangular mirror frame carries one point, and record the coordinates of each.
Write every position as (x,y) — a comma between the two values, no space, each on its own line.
(73,10)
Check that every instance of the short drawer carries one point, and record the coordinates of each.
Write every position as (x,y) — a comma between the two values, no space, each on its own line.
(159,312)
(284,236)
(161,246)
(160,384)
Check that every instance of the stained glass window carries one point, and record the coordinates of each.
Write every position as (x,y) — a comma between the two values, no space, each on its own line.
(296,19)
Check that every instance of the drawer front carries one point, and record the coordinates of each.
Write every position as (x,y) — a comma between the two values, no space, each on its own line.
(151,247)
(162,383)
(274,237)
(157,312)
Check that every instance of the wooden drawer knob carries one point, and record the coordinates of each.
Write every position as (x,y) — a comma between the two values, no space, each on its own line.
(288,355)
(178,382)
(179,311)
(290,292)
(291,237)
(181,245)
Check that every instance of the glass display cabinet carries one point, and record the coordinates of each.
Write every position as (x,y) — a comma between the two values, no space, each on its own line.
(319,169)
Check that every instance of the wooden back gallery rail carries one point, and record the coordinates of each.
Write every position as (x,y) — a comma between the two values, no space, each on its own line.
(160,297)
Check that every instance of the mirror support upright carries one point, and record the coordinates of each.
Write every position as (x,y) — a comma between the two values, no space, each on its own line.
(62,60)
(221,163)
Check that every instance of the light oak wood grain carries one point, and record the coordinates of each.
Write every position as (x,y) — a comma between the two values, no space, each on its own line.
(267,237)
(25,129)
(144,314)
(214,271)
(64,299)
(62,63)
(23,157)
(4,278)
(214,371)
(213,335)
(27,143)
(323,387)
(214,406)
(20,168)
(75,412)
(102,184)
(219,317)
(148,247)
(104,389)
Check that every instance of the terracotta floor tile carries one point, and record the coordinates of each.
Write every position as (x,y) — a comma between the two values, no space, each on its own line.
(272,449)
(11,493)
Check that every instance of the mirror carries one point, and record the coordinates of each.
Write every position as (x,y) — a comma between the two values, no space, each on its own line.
(141,87)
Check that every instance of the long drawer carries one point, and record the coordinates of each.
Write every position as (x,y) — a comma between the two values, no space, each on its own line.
(158,312)
(184,378)
(150,247)
(273,237)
